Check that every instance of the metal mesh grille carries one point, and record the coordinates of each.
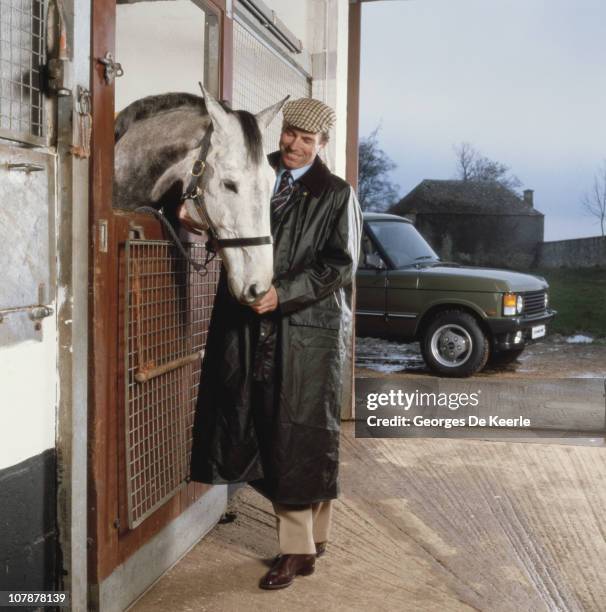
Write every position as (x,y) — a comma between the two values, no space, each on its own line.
(261,78)
(22,51)
(534,302)
(167,312)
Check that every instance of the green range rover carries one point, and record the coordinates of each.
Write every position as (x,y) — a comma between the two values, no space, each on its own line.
(462,316)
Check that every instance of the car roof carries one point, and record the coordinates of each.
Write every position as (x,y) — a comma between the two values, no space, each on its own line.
(373,216)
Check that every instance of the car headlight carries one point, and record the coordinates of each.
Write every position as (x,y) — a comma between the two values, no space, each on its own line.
(546,300)
(513,304)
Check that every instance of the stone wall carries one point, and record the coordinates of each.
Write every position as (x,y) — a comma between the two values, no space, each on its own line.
(577,253)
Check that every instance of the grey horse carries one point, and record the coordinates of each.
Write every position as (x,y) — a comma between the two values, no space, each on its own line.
(157,143)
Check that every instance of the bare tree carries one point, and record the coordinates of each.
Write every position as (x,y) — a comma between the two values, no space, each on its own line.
(594,202)
(376,191)
(472,166)
(466,156)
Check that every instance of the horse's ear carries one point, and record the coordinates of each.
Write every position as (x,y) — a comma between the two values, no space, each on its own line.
(217,114)
(266,116)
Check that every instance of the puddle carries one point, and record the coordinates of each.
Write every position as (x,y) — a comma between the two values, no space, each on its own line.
(387,357)
(579,339)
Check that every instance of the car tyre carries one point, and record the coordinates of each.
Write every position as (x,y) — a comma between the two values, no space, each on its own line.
(454,344)
(505,357)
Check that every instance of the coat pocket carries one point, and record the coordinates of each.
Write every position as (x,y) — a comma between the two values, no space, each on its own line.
(312,377)
(326,314)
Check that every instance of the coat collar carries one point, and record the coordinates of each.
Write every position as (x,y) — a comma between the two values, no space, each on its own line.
(316,179)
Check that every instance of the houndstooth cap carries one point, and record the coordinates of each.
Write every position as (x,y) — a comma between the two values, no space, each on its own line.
(309,115)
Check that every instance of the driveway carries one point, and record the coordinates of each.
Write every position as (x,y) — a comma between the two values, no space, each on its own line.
(421,525)
(556,357)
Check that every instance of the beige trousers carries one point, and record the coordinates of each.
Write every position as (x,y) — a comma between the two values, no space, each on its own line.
(300,527)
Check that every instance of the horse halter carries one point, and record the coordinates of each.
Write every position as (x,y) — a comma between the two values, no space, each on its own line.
(195,193)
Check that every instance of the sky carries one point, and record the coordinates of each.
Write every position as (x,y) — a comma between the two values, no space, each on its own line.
(523,81)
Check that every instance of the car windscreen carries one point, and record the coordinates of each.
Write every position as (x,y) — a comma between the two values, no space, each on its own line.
(402,242)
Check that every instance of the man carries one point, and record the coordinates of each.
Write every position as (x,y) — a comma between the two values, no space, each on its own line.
(269,401)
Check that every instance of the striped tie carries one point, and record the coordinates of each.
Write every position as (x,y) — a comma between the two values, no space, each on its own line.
(280,198)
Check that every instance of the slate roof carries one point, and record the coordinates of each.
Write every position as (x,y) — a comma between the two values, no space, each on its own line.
(462,197)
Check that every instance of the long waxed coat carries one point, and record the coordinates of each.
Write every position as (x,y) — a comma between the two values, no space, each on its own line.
(269,400)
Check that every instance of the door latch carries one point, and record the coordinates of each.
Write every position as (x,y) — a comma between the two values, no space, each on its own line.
(40,312)
(113,69)
(25,167)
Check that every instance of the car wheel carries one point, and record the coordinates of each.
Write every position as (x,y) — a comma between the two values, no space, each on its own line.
(454,344)
(505,357)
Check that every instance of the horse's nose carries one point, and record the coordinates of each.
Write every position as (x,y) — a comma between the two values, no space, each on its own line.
(254,292)
(251,294)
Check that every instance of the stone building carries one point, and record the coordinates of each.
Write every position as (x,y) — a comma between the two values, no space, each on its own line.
(475,223)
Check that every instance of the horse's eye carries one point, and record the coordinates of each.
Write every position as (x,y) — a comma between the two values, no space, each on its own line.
(230,186)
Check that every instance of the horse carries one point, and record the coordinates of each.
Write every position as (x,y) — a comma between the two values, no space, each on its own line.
(157,146)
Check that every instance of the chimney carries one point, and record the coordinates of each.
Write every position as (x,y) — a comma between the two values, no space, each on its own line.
(528,197)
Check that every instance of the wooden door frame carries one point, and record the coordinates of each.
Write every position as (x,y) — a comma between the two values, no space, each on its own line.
(353,92)
(110,542)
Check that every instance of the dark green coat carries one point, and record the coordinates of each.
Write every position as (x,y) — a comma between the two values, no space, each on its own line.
(269,400)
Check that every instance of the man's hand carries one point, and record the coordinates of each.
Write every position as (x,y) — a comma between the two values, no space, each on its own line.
(187,222)
(268,303)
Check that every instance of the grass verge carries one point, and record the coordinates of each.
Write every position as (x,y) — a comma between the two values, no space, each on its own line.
(579,296)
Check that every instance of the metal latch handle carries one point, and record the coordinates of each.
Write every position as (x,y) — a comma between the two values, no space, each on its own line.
(41,312)
(25,167)
(113,69)
(35,312)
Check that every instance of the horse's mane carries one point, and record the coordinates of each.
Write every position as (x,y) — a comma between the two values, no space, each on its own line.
(151,105)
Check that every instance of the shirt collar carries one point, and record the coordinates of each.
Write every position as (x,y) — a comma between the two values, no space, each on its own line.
(297,173)
(316,178)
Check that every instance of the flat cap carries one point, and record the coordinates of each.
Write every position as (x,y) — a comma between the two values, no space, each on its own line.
(309,115)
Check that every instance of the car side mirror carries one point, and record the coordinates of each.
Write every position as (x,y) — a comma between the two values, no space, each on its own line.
(373,260)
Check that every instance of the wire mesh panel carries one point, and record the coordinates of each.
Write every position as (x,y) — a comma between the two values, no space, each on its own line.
(22,54)
(262,77)
(167,312)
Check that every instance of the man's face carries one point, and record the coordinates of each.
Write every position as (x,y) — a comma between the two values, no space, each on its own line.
(299,148)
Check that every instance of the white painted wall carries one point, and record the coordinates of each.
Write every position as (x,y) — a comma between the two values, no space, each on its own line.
(161,48)
(28,356)
(28,382)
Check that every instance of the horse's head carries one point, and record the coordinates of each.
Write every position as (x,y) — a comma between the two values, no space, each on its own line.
(157,142)
(237,186)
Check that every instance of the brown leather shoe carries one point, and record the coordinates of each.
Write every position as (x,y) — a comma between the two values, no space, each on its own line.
(320,550)
(284,570)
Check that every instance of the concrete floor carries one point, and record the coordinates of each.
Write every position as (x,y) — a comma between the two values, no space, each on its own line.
(422,525)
